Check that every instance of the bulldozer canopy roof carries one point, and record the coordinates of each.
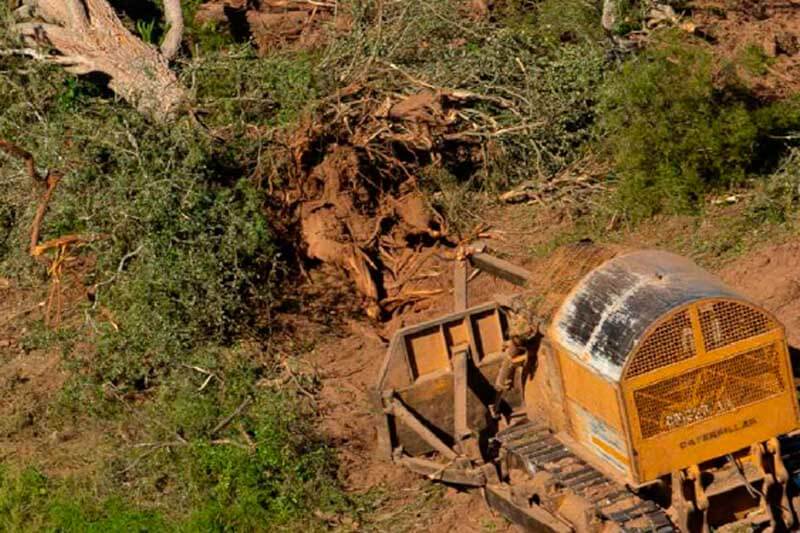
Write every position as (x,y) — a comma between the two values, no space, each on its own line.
(610,310)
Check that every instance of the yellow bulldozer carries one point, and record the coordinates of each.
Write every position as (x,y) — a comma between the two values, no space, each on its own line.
(616,391)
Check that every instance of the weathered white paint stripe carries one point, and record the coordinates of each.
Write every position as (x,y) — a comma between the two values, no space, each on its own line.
(608,368)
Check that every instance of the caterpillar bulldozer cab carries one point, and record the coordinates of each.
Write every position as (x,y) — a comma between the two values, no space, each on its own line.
(621,390)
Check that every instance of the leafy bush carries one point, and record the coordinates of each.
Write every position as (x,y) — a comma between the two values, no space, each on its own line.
(29,501)
(186,265)
(779,198)
(755,60)
(570,20)
(674,135)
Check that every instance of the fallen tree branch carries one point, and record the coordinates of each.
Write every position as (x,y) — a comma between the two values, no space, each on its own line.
(36,226)
(30,164)
(173,15)
(227,420)
(88,36)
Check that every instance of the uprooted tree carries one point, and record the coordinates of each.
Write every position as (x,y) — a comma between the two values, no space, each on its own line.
(88,36)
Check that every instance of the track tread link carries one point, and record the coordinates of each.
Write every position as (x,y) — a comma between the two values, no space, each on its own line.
(538,450)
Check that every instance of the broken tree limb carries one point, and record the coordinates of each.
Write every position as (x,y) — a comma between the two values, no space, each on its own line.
(444,473)
(88,36)
(173,16)
(36,226)
(501,268)
(30,164)
(227,420)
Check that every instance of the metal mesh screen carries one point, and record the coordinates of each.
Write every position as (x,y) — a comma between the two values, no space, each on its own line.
(709,391)
(725,322)
(670,342)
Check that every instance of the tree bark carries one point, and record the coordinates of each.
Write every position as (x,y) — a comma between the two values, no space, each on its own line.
(88,36)
(173,15)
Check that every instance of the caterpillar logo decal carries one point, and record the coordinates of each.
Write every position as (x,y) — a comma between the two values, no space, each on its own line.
(717,433)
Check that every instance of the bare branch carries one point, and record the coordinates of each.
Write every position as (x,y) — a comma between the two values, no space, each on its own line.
(227,420)
(173,15)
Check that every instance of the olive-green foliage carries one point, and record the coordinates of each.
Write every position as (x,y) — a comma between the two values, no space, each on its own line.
(779,197)
(247,90)
(539,91)
(29,501)
(186,262)
(674,135)
(569,20)
(197,486)
(199,249)
(755,60)
(204,38)
(172,199)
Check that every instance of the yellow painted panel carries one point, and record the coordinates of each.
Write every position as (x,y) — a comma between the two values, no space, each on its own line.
(427,352)
(456,333)
(590,391)
(605,442)
(739,395)
(488,333)
(715,437)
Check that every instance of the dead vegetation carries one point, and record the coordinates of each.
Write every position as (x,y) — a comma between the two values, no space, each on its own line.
(276,24)
(354,187)
(62,251)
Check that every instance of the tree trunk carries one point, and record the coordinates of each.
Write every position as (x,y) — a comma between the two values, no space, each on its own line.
(89,37)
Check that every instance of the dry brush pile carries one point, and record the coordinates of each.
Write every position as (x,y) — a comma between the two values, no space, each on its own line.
(353,189)
(417,88)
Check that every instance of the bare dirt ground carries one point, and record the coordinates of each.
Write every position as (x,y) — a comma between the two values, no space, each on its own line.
(771,25)
(771,276)
(31,379)
(348,364)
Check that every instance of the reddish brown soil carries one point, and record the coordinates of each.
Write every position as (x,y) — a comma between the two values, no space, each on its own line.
(349,364)
(30,382)
(772,25)
(771,277)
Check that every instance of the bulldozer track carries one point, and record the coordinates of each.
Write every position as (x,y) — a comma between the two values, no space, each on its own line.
(538,450)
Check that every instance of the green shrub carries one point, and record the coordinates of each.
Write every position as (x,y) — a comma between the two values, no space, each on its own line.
(187,263)
(570,20)
(674,135)
(778,199)
(29,501)
(755,60)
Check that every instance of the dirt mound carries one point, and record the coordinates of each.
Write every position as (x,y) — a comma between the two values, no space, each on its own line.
(761,35)
(771,277)
(274,24)
(353,191)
